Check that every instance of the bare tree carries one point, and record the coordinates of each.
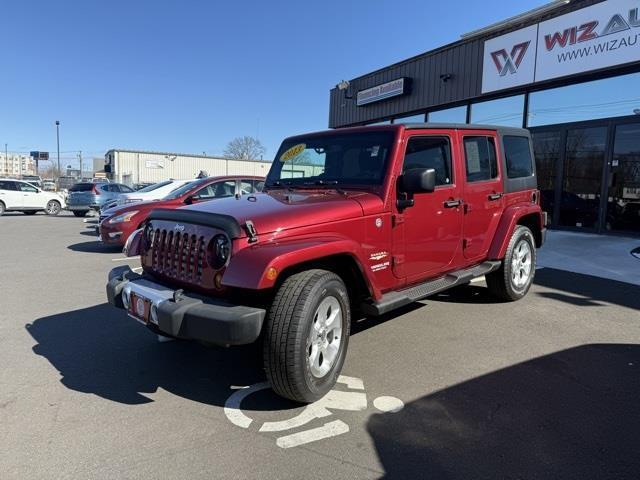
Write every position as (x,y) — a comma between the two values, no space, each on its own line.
(244,148)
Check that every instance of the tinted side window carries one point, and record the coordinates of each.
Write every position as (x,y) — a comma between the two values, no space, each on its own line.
(125,189)
(247,186)
(518,155)
(6,185)
(480,159)
(25,187)
(430,152)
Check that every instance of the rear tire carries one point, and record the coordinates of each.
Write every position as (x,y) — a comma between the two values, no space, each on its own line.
(80,213)
(29,212)
(307,335)
(513,279)
(2,208)
(53,207)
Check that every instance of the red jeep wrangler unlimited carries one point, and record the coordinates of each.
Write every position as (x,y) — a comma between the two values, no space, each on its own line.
(367,219)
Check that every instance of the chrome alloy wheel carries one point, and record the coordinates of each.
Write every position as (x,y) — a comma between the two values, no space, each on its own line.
(325,337)
(521,264)
(52,207)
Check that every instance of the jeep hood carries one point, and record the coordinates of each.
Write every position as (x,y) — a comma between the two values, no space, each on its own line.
(282,210)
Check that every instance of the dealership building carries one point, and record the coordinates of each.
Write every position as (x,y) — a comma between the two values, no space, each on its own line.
(569,71)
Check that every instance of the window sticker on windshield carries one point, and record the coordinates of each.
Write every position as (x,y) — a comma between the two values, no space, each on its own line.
(375,150)
(293,152)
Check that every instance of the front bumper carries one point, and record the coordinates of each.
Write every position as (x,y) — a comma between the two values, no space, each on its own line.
(112,235)
(188,316)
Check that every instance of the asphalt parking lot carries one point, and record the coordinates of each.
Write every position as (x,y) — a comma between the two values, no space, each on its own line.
(454,387)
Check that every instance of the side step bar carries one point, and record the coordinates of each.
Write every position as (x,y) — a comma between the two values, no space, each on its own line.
(393,300)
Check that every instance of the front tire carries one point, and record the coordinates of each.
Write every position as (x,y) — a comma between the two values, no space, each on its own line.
(2,208)
(513,279)
(53,207)
(307,335)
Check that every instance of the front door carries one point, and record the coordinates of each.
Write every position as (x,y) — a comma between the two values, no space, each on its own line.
(432,228)
(483,193)
(30,196)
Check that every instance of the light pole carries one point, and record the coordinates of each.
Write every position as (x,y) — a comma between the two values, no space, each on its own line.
(58,142)
(6,158)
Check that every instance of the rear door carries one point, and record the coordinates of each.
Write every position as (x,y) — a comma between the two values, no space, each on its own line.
(9,194)
(432,228)
(483,191)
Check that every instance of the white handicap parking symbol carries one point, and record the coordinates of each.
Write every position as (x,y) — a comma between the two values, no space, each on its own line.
(335,401)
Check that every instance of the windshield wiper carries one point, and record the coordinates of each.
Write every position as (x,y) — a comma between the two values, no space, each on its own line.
(327,183)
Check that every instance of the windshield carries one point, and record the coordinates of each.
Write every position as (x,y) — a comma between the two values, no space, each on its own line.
(153,187)
(186,188)
(339,159)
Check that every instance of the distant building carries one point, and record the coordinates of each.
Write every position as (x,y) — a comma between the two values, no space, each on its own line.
(132,166)
(14,165)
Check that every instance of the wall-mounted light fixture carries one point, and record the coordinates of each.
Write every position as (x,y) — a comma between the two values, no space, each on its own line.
(343,86)
(445,77)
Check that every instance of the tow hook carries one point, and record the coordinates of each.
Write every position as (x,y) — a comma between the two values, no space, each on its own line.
(251,231)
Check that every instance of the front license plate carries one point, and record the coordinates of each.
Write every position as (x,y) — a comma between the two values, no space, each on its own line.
(139,308)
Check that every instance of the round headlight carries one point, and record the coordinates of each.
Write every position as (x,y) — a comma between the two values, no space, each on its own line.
(148,234)
(219,250)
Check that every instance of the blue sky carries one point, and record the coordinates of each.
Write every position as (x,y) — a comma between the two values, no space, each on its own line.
(189,76)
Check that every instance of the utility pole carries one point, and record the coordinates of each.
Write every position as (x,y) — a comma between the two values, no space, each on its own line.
(58,142)
(6,158)
(80,157)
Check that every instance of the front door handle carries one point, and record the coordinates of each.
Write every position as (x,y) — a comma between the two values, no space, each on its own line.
(452,203)
(495,196)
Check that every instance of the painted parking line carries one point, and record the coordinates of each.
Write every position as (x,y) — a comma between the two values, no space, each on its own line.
(124,259)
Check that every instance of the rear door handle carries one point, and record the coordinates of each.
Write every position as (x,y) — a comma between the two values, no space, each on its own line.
(495,196)
(452,203)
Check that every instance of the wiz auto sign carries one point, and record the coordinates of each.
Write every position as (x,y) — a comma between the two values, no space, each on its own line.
(603,35)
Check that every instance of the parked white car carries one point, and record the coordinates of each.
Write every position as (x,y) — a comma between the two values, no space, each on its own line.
(16,195)
(152,192)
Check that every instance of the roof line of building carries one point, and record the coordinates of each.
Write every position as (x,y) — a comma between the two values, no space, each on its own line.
(518,21)
(196,155)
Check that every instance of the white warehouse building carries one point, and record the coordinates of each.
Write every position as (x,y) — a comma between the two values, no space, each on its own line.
(132,166)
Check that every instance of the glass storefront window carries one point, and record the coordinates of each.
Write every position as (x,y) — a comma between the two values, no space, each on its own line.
(450,115)
(611,97)
(411,119)
(546,147)
(623,200)
(582,177)
(506,112)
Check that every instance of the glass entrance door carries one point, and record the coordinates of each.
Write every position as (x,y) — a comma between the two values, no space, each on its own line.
(548,147)
(582,177)
(623,198)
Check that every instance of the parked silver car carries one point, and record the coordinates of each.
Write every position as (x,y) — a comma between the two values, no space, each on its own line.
(91,196)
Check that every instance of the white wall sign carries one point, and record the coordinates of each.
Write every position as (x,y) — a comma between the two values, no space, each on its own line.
(603,35)
(381,92)
(509,60)
(154,163)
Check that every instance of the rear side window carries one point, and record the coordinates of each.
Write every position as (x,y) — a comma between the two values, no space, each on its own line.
(518,155)
(81,187)
(480,159)
(124,188)
(6,185)
(430,152)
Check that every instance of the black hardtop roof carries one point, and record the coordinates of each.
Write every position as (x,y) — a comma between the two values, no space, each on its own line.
(468,126)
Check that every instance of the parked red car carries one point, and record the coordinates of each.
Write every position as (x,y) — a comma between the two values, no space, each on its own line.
(120,222)
(366,219)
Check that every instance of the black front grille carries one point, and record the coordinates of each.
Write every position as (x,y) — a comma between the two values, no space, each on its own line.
(178,255)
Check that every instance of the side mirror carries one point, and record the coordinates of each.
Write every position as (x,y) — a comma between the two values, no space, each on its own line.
(419,180)
(192,199)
